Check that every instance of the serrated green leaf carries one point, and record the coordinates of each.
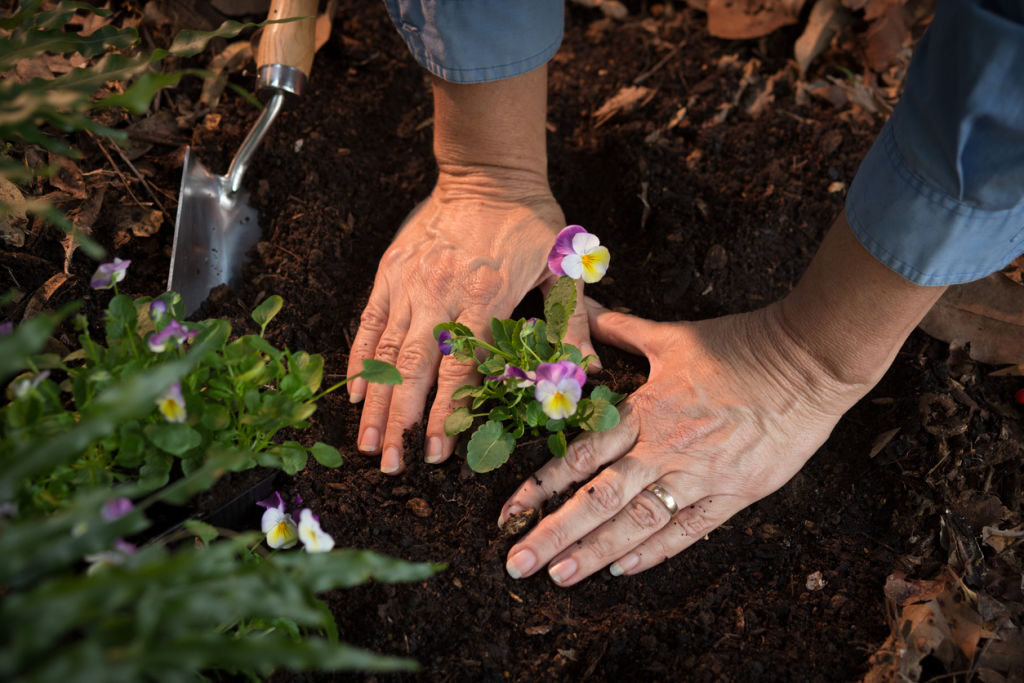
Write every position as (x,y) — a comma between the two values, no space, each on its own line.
(326,455)
(492,367)
(607,394)
(489,447)
(556,444)
(558,308)
(176,439)
(604,416)
(379,372)
(467,390)
(459,421)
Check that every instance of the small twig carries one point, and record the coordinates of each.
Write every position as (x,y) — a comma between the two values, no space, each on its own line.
(661,62)
(117,169)
(142,180)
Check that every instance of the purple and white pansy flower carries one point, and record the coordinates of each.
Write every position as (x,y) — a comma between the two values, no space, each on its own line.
(559,388)
(578,254)
(526,377)
(277,524)
(109,274)
(313,538)
(174,334)
(172,404)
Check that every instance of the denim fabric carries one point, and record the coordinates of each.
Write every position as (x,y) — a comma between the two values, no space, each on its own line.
(472,41)
(940,197)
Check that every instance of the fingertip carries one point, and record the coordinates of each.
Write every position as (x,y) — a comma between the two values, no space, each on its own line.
(436,451)
(357,390)
(391,460)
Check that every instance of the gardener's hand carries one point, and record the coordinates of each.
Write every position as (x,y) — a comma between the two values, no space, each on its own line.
(468,253)
(732,409)
(730,412)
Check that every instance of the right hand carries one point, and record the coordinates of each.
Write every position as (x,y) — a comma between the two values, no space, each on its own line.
(471,251)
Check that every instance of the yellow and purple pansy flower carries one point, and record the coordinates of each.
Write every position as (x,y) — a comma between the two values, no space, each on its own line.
(578,254)
(559,388)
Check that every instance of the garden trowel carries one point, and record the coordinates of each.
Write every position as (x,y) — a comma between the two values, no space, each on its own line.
(215,224)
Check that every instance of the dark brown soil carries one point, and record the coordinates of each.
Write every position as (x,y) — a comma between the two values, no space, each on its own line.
(703,219)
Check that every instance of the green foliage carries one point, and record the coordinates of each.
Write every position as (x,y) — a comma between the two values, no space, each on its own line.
(504,403)
(32,112)
(100,421)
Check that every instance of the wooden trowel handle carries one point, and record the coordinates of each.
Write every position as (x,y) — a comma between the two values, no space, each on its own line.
(292,43)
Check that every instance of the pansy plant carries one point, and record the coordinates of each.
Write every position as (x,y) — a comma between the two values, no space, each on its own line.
(533,381)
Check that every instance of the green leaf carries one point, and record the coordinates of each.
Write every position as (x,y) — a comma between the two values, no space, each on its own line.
(604,416)
(122,309)
(467,390)
(189,43)
(535,414)
(489,447)
(292,456)
(33,44)
(492,367)
(558,308)
(176,439)
(157,470)
(607,394)
(556,444)
(138,97)
(266,311)
(458,422)
(203,531)
(379,372)
(326,455)
(308,368)
(27,339)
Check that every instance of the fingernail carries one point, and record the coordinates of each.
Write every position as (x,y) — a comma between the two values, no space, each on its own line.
(434,446)
(624,565)
(563,571)
(370,441)
(355,397)
(391,461)
(513,509)
(520,563)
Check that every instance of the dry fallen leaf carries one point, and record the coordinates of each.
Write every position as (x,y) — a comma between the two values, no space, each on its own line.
(13,219)
(742,19)
(987,315)
(881,441)
(885,38)
(37,303)
(626,100)
(826,19)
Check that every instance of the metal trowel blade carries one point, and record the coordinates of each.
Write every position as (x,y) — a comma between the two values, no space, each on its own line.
(213,230)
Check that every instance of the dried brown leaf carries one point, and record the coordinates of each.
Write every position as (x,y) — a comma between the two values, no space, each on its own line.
(884,40)
(881,441)
(625,100)
(68,177)
(229,60)
(904,591)
(37,303)
(743,19)
(13,218)
(826,19)
(987,315)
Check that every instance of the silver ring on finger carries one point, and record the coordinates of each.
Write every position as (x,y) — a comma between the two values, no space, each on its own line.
(665,497)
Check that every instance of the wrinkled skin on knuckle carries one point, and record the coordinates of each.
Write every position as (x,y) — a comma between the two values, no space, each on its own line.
(581,458)
(604,498)
(693,525)
(388,349)
(413,361)
(644,512)
(372,319)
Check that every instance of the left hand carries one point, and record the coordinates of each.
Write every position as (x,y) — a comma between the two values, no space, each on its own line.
(732,409)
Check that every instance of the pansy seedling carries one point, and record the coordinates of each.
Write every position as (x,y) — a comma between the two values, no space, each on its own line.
(277,524)
(172,404)
(579,254)
(559,388)
(532,377)
(109,274)
(313,538)
(174,334)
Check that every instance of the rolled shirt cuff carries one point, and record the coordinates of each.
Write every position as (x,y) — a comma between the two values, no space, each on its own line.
(474,41)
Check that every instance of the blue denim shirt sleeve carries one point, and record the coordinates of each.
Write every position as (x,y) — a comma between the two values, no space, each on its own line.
(939,198)
(472,41)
